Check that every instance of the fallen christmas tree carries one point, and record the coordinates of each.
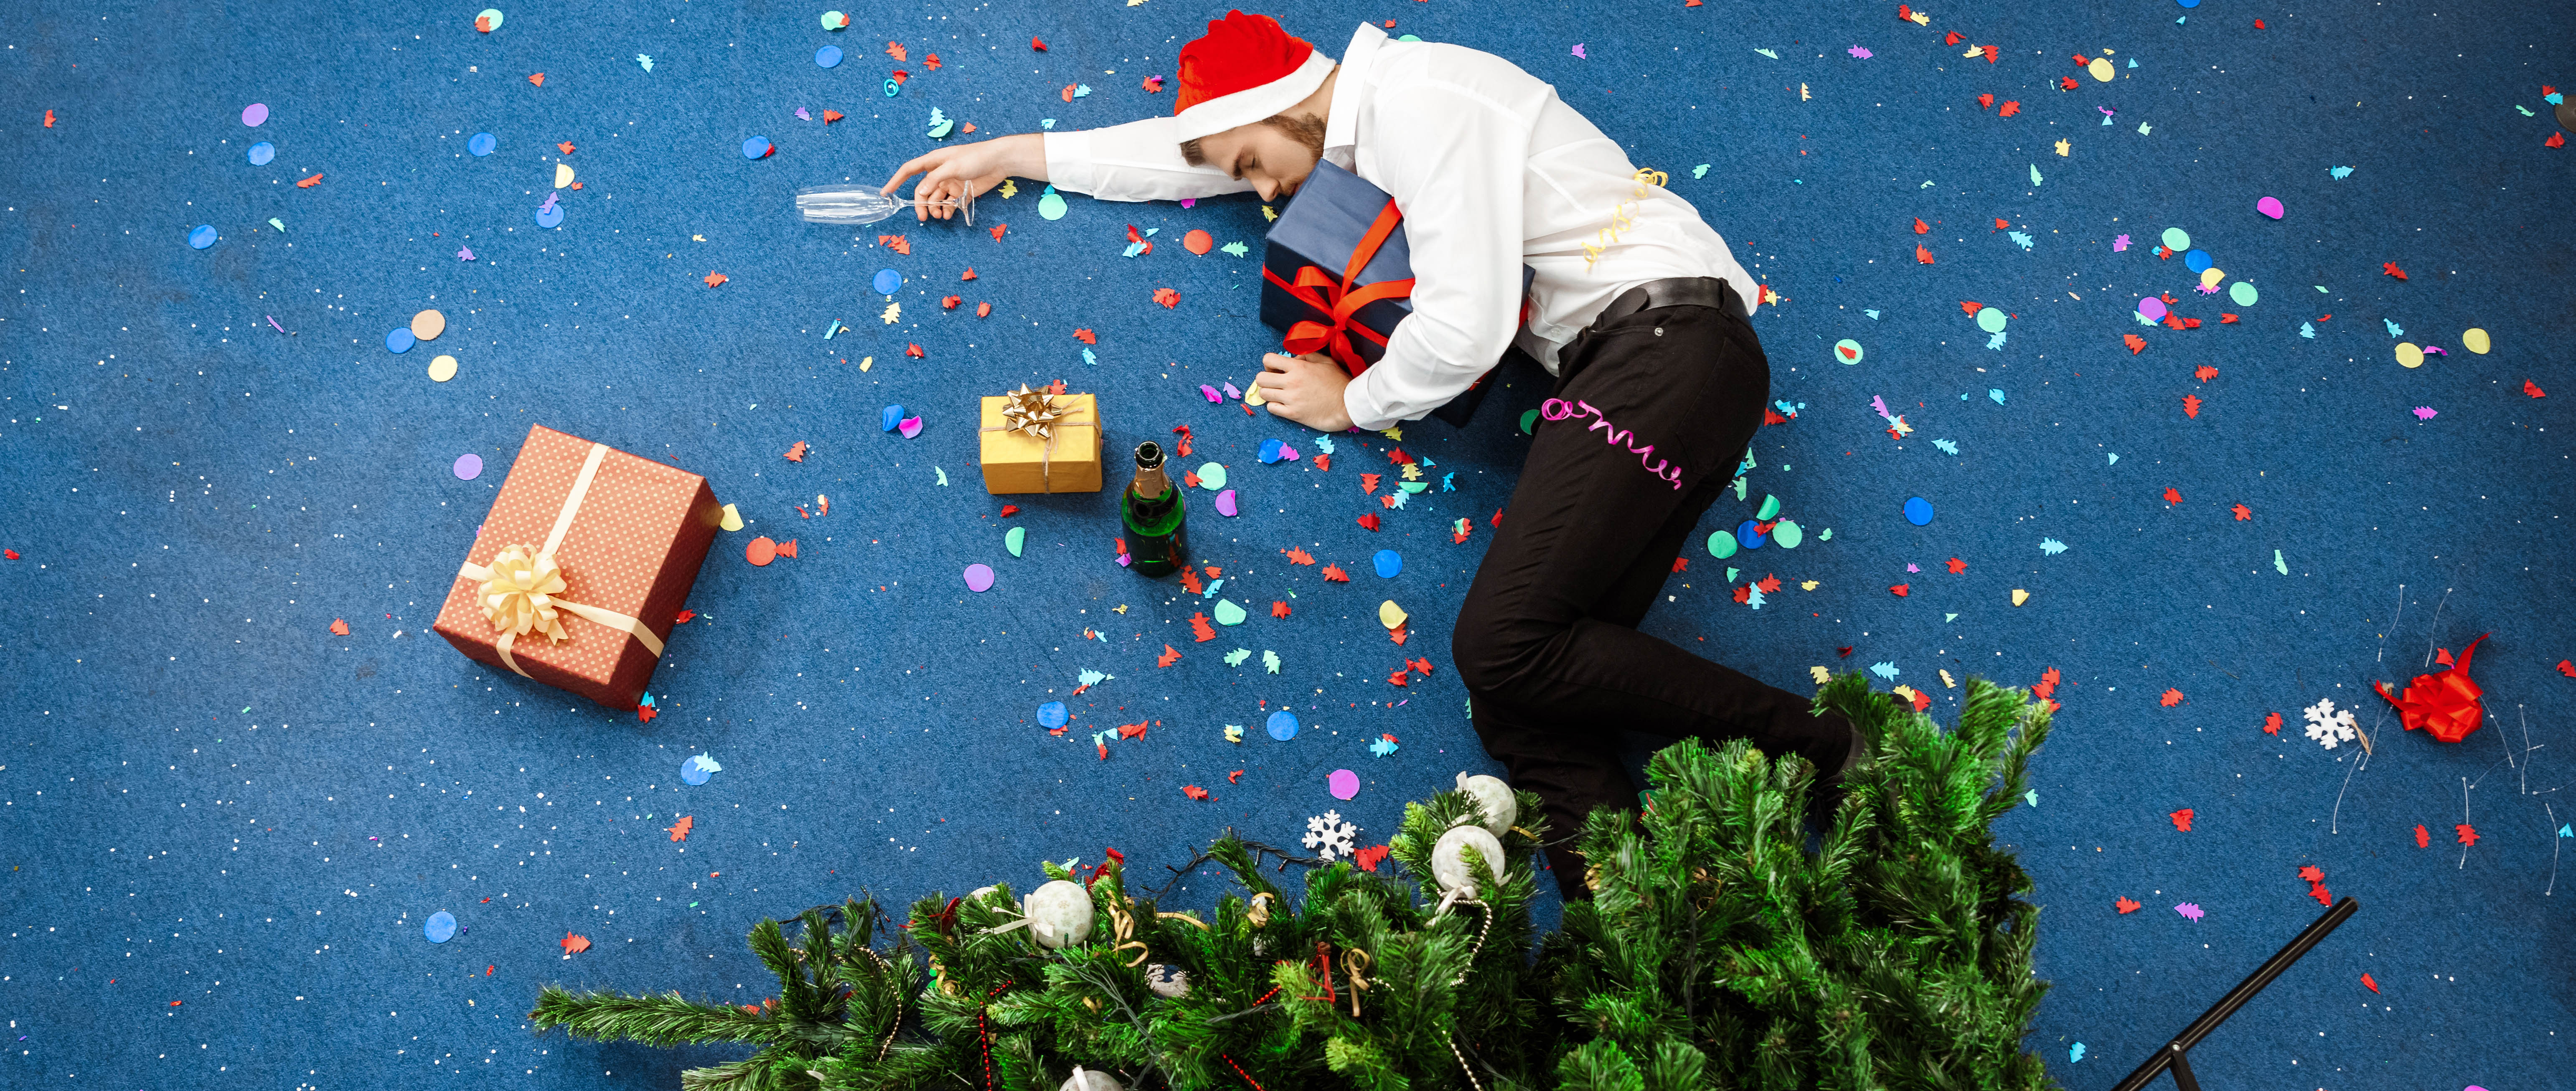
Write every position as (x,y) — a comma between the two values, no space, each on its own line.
(1720,951)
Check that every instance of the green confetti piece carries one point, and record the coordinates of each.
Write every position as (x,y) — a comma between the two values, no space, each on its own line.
(943,475)
(2034,174)
(1270,661)
(1212,476)
(2032,797)
(1236,657)
(1827,536)
(2279,565)
(1235,248)
(1013,540)
(1227,613)
(280,225)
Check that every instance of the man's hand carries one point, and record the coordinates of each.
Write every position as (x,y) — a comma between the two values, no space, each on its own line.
(1306,389)
(950,173)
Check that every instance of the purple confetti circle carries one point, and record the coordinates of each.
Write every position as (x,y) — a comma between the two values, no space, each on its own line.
(2152,309)
(254,114)
(979,578)
(1225,503)
(1344,783)
(469,467)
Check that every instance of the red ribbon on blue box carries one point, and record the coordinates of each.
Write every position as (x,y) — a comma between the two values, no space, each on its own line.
(1339,300)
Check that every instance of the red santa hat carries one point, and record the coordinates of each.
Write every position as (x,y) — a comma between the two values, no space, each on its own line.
(1244,70)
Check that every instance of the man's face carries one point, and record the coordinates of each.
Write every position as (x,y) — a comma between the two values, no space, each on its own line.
(1276,159)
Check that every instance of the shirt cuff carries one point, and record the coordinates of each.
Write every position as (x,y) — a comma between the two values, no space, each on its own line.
(1069,161)
(1363,403)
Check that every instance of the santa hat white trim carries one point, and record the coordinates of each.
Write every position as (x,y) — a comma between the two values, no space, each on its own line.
(1253,104)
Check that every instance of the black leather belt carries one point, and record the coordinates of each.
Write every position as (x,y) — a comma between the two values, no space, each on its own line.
(1673,292)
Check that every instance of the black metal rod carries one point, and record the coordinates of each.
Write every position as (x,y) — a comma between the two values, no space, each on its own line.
(2171,1055)
(2183,1079)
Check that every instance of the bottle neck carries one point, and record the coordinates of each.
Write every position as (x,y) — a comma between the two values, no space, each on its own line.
(1150,483)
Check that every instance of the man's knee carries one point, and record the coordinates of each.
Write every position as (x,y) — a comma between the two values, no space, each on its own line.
(1491,649)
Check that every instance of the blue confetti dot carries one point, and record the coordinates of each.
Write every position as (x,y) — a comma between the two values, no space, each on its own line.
(1269,450)
(481,144)
(829,56)
(2188,3)
(400,340)
(1051,715)
(440,927)
(1388,562)
(2197,259)
(1749,534)
(550,217)
(261,153)
(892,88)
(892,416)
(755,147)
(1283,725)
(1918,511)
(887,281)
(202,237)
(693,773)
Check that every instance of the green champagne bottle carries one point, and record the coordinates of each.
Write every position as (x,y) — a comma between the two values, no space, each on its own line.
(1151,510)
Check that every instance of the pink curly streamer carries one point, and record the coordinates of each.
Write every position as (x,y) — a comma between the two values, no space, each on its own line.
(1560,409)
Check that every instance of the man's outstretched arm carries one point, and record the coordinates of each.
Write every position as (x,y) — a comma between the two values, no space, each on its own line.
(1138,161)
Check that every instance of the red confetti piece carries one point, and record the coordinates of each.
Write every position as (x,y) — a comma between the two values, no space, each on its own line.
(1991,52)
(49,115)
(537,78)
(2272,723)
(1199,624)
(895,50)
(1497,520)
(565,147)
(1279,608)
(1298,556)
(2191,406)
(1953,38)
(1235,777)
(983,310)
(339,627)
(1198,242)
(2125,905)
(2390,268)
(787,548)
(2565,667)
(1183,431)
(1970,307)
(2423,838)
(2181,819)
(1957,566)
(1370,521)
(1333,573)
(1985,102)
(1369,858)
(1923,254)
(1038,44)
(1009,510)
(1190,576)
(931,62)
(2172,497)
(309,182)
(830,116)
(1132,731)
(2556,140)
(1681,564)
(2204,373)
(2226,319)
(912,350)
(714,279)
(2171,698)
(2468,833)
(1421,667)
(680,830)
(1368,482)
(1195,792)
(1899,590)
(2311,873)
(2366,982)
(1921,228)
(1769,584)
(1398,634)
(1167,297)
(2533,389)
(1744,594)
(997,230)
(761,551)
(949,303)
(1323,463)
(896,243)
(1153,85)
(797,452)
(2047,686)
(2321,894)
(2066,83)
(1396,678)
(1067,93)
(573,944)
(1170,656)
(1086,337)
(2136,343)
(2010,108)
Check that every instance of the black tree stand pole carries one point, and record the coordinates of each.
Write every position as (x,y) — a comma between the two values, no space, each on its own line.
(2171,1056)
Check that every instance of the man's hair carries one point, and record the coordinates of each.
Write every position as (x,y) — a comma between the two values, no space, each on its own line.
(1307,129)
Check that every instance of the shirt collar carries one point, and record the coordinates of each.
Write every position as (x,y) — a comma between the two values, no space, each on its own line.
(1341,125)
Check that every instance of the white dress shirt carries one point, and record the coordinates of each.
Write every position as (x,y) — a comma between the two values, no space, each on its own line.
(1492,171)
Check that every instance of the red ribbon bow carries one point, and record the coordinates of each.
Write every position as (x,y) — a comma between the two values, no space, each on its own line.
(2445,703)
(1317,289)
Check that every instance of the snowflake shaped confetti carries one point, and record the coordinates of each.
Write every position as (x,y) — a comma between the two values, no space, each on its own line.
(1329,836)
(2328,725)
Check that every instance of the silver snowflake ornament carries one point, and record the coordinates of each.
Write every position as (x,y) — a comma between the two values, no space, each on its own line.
(1329,836)
(2327,725)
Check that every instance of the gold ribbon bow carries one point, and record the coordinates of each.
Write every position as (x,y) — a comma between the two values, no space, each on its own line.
(1034,413)
(522,591)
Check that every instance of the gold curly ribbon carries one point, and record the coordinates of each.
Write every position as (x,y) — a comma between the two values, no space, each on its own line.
(522,590)
(1355,962)
(1126,934)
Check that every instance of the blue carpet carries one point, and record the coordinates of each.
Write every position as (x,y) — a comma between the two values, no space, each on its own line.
(225,818)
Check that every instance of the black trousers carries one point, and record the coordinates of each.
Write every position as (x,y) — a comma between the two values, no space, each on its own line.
(1547,642)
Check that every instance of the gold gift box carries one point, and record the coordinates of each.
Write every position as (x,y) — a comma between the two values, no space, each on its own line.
(1016,462)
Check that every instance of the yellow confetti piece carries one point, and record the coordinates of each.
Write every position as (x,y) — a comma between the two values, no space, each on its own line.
(1395,433)
(2101,69)
(1808,585)
(442,369)
(2477,341)
(866,361)
(2061,147)
(1234,733)
(2210,277)
(732,518)
(1412,471)
(1802,93)
(1820,674)
(2409,356)
(893,313)
(1947,682)
(1267,213)
(2020,596)
(1010,189)
(1906,692)
(1252,395)
(563,175)
(1390,615)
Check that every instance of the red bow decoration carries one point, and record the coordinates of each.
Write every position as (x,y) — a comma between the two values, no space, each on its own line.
(2445,703)
(1317,289)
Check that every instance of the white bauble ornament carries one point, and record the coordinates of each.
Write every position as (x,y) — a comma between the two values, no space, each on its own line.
(1086,1080)
(1059,913)
(979,893)
(1493,797)
(1449,862)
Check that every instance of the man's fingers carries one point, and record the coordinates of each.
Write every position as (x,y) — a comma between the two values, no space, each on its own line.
(911,167)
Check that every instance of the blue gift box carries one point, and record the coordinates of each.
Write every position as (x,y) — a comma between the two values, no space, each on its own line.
(1321,228)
